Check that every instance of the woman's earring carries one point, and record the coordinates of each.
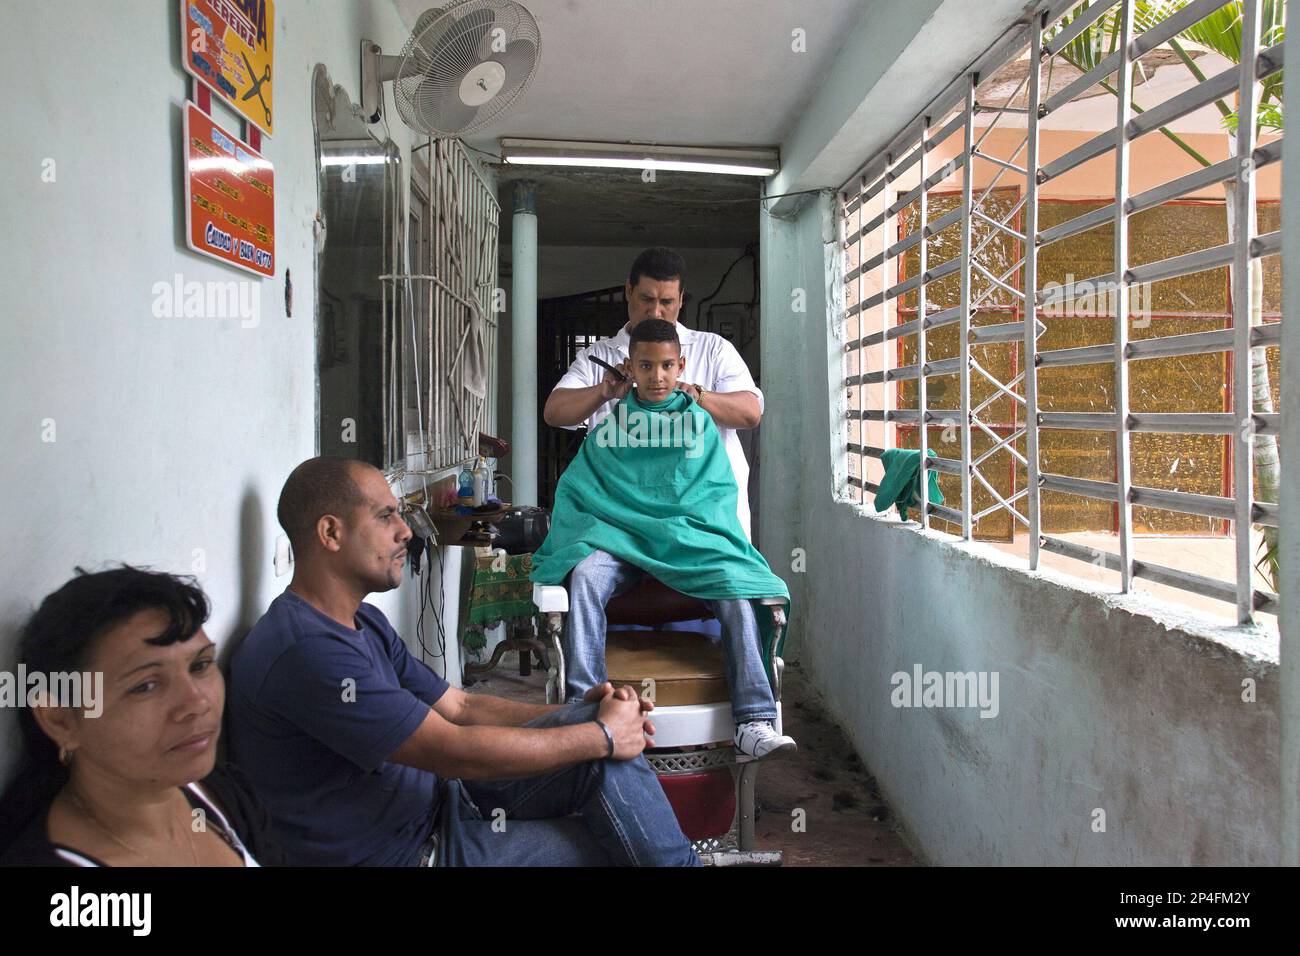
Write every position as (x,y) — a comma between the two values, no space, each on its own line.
(65,756)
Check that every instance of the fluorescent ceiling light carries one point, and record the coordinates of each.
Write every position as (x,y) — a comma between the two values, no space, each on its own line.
(696,159)
(371,160)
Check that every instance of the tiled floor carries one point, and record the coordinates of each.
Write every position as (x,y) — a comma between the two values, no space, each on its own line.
(845,822)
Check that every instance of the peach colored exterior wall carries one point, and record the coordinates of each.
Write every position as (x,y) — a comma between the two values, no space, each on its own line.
(1153,160)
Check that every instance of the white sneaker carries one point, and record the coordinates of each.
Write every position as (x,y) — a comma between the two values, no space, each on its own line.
(758,738)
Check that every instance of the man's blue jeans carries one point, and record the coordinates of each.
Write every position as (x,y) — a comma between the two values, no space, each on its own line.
(598,813)
(600,576)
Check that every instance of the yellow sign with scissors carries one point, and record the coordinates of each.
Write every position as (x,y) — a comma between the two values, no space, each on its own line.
(229,46)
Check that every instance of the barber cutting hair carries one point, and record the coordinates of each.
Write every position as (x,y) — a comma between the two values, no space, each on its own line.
(715,375)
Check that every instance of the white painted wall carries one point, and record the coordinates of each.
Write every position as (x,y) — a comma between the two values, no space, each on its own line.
(172,434)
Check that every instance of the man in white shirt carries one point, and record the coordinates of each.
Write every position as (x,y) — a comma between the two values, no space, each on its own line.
(715,375)
(717,378)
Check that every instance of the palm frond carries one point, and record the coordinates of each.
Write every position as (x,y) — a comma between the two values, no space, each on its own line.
(1219,32)
(1269,563)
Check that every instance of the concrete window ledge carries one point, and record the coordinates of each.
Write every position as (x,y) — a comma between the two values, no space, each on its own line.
(1256,642)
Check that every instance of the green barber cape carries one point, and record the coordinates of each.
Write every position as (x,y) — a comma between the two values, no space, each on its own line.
(652,485)
(901,484)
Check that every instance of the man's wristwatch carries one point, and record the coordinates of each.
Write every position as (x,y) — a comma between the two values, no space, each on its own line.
(703,391)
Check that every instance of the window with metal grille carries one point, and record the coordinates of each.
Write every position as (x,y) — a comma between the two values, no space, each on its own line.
(1063,285)
(445,338)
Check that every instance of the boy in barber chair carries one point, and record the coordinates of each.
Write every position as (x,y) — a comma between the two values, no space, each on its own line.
(652,492)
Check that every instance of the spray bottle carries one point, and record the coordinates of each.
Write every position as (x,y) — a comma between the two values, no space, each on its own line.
(481,481)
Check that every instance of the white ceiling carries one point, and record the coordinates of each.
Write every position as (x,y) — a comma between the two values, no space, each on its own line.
(688,72)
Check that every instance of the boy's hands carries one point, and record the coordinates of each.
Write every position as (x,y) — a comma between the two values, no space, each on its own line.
(623,712)
(612,387)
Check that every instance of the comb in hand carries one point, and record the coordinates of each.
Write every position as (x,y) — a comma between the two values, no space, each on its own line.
(617,371)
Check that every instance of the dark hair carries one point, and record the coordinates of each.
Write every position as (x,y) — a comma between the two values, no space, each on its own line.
(660,263)
(59,638)
(319,486)
(653,330)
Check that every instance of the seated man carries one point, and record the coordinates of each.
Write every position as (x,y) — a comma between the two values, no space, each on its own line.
(652,492)
(342,732)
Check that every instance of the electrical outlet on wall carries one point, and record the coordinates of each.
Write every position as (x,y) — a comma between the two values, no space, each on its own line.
(283,555)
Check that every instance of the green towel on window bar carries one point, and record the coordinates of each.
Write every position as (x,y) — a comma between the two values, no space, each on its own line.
(901,483)
(665,504)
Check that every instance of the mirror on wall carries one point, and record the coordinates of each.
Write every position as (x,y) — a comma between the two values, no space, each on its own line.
(358,241)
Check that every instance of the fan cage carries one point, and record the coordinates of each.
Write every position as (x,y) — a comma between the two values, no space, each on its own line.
(445,45)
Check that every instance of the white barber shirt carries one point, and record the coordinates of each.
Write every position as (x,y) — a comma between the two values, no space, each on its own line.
(711,361)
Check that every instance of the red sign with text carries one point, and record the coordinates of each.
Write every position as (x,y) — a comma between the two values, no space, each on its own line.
(229,196)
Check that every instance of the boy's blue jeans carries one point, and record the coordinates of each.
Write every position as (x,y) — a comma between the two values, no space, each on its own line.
(600,576)
(597,813)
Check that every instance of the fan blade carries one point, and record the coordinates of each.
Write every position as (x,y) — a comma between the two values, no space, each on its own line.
(518,59)
(426,18)
(438,105)
(430,31)
(458,46)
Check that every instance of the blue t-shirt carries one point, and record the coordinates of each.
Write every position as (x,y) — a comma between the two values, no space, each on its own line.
(314,710)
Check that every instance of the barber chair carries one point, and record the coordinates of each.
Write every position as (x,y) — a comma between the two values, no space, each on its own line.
(711,790)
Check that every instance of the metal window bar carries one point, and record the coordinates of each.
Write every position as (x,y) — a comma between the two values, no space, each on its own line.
(1032,328)
(1123,461)
(1000,112)
(1077,26)
(1001,172)
(1243,268)
(1001,443)
(1011,214)
(1001,229)
(921,268)
(1241,255)
(957,122)
(1005,389)
(1000,226)
(887,312)
(862,388)
(1172,577)
(859,463)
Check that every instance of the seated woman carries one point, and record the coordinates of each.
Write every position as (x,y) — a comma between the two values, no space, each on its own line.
(652,491)
(123,711)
